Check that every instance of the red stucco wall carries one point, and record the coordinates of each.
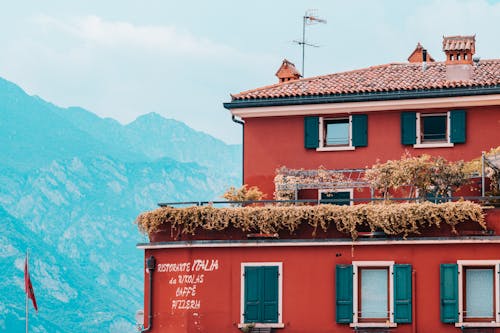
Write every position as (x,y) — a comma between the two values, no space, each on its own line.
(272,142)
(308,284)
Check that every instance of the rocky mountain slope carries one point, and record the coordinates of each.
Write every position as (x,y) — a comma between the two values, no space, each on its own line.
(71,185)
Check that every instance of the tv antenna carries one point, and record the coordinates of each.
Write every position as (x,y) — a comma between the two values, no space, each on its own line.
(309,18)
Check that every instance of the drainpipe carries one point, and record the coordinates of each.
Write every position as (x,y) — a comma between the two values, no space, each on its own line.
(242,123)
(150,266)
(482,174)
(414,302)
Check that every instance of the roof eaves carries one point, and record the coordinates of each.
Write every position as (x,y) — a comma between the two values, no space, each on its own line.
(364,97)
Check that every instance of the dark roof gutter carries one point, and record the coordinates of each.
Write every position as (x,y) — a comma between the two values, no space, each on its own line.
(364,97)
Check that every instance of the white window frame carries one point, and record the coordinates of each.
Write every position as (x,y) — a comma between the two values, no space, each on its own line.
(471,263)
(356,265)
(279,324)
(350,190)
(321,130)
(446,143)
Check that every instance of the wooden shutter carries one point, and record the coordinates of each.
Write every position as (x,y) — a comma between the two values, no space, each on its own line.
(252,295)
(449,293)
(261,294)
(359,130)
(457,124)
(343,294)
(311,132)
(402,294)
(269,294)
(408,128)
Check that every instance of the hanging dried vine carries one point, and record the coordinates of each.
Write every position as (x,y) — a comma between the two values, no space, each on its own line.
(394,219)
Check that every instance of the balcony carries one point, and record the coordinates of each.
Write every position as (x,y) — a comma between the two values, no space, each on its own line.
(369,219)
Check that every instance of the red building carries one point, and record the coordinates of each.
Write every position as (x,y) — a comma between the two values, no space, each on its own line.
(440,280)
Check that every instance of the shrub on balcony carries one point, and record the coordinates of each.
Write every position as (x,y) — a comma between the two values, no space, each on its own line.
(394,219)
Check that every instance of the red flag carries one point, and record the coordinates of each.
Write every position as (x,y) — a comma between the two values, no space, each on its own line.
(28,288)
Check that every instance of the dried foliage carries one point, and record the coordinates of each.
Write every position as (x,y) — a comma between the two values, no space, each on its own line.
(474,167)
(394,219)
(421,174)
(243,193)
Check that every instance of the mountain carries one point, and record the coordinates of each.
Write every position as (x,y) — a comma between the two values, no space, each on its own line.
(160,137)
(33,133)
(157,137)
(71,185)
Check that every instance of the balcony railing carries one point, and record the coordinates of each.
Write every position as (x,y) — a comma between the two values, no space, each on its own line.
(484,200)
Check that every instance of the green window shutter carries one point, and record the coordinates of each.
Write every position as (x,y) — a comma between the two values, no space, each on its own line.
(457,123)
(252,295)
(343,294)
(269,294)
(402,293)
(408,128)
(449,293)
(261,294)
(359,130)
(311,132)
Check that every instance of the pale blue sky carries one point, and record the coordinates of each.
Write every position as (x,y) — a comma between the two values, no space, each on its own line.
(182,59)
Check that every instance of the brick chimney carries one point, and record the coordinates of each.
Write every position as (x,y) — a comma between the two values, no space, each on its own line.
(420,55)
(287,72)
(459,49)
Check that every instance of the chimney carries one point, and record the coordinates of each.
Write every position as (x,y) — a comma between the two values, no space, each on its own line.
(287,72)
(459,51)
(420,55)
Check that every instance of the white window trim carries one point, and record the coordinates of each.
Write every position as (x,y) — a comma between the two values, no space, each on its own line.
(350,190)
(322,147)
(355,267)
(446,144)
(279,324)
(469,263)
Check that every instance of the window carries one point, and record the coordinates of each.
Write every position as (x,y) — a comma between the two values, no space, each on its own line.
(261,297)
(433,130)
(335,133)
(469,293)
(373,294)
(336,197)
(478,293)
(433,127)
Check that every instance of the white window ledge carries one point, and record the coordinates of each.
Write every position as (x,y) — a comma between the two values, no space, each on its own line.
(262,325)
(478,324)
(335,148)
(434,145)
(381,324)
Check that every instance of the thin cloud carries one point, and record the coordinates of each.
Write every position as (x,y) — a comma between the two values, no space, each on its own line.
(96,31)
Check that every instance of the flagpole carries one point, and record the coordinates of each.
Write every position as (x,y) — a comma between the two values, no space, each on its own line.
(26,294)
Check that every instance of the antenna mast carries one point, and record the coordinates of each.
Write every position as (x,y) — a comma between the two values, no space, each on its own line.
(309,18)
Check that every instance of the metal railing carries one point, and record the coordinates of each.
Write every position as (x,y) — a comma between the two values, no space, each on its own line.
(485,200)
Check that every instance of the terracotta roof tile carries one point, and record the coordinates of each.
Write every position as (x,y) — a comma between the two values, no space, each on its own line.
(458,43)
(389,77)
